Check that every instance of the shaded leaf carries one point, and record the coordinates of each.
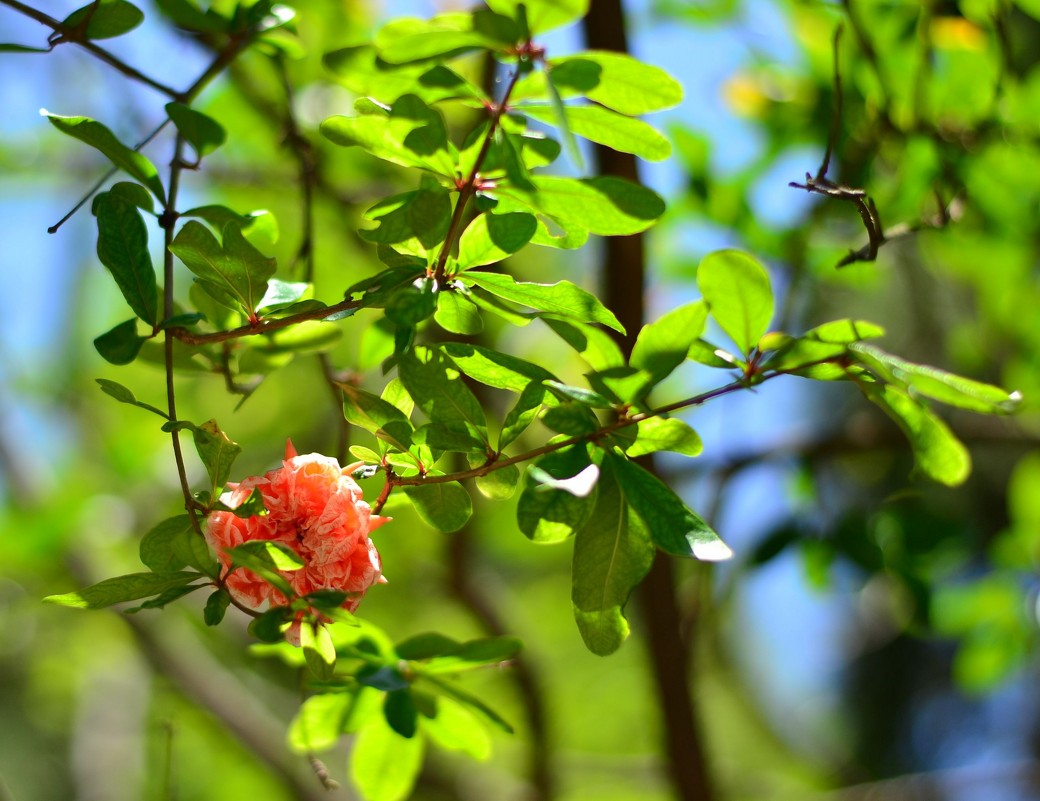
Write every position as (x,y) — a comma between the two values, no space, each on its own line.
(445,506)
(130,587)
(201,131)
(612,554)
(107,18)
(122,247)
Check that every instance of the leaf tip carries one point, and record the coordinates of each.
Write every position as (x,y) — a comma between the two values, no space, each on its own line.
(712,551)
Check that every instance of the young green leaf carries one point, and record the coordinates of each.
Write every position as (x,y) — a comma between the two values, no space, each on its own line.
(562,298)
(122,247)
(457,313)
(101,138)
(491,238)
(672,526)
(543,15)
(318,724)
(605,205)
(130,587)
(202,132)
(124,395)
(523,413)
(615,80)
(612,554)
(595,346)
(936,384)
(374,414)
(737,290)
(606,127)
(426,646)
(318,649)
(455,728)
(826,341)
(410,39)
(664,344)
(500,484)
(107,18)
(216,451)
(446,506)
(413,135)
(664,434)
(383,764)
(937,452)
(472,655)
(493,368)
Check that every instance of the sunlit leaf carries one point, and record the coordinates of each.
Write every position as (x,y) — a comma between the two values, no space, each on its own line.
(101,138)
(739,297)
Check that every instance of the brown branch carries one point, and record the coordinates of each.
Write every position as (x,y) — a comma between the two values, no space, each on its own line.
(262,326)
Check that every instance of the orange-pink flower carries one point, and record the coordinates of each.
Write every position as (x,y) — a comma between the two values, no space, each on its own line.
(314,507)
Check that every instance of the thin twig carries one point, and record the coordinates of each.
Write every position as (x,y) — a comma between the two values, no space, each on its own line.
(836,112)
(76,36)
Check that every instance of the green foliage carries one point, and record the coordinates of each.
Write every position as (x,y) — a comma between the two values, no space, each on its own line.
(460,179)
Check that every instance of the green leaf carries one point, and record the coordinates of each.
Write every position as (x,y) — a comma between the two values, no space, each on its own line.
(586,397)
(108,18)
(672,526)
(563,297)
(185,14)
(664,344)
(234,267)
(216,451)
(445,506)
(270,625)
(469,700)
(433,382)
(374,414)
(472,655)
(612,554)
(161,600)
(664,434)
(572,419)
(216,607)
(383,764)
(457,313)
(124,395)
(456,728)
(490,238)
(595,346)
(318,649)
(936,384)
(361,70)
(606,205)
(409,39)
(614,80)
(737,290)
(493,368)
(499,484)
(826,341)
(542,15)
(425,646)
(122,247)
(413,135)
(400,712)
(410,305)
(269,554)
(546,514)
(558,115)
(319,723)
(158,551)
(101,138)
(606,127)
(202,132)
(527,407)
(130,587)
(937,452)
(120,345)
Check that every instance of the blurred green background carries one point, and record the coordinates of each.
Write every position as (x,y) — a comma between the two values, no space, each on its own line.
(874,635)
